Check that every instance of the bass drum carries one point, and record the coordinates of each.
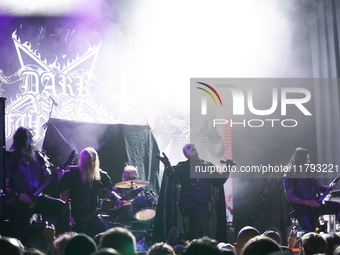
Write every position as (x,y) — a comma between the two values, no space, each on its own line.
(143,241)
(123,214)
(144,207)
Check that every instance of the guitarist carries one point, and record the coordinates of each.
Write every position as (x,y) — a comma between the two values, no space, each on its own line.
(303,192)
(26,170)
(82,185)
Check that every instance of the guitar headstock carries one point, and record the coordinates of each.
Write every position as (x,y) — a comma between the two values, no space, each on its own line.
(69,160)
(59,172)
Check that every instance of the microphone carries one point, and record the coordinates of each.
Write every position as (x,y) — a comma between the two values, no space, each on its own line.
(53,100)
(228,162)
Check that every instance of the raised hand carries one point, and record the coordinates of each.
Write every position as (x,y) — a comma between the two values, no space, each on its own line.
(292,238)
(59,172)
(164,159)
(49,232)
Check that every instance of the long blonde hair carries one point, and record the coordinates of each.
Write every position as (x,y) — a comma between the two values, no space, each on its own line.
(89,165)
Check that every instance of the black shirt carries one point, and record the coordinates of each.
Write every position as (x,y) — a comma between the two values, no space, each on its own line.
(84,199)
(24,174)
(194,189)
(303,188)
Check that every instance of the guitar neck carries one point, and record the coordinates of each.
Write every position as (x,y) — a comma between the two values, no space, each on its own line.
(44,186)
(91,215)
(328,189)
(55,175)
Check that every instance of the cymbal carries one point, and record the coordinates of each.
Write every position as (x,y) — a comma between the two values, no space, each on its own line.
(131,184)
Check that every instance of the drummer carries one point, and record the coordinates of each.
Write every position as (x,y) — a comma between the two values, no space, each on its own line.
(125,214)
(130,173)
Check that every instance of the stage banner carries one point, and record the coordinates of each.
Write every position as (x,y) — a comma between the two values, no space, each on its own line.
(116,144)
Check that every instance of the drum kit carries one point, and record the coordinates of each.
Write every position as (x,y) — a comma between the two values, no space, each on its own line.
(144,206)
(139,213)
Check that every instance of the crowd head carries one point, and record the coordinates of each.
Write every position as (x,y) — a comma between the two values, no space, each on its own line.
(11,246)
(121,241)
(244,235)
(261,245)
(313,243)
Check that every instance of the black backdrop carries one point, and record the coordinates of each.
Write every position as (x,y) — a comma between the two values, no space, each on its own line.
(116,145)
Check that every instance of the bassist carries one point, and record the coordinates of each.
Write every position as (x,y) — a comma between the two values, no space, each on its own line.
(82,185)
(26,170)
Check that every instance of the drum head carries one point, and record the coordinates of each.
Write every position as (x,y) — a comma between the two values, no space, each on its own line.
(145,214)
(144,208)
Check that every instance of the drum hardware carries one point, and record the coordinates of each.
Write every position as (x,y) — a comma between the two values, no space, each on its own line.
(144,207)
(132,184)
(131,194)
(106,204)
(123,214)
(114,224)
(146,226)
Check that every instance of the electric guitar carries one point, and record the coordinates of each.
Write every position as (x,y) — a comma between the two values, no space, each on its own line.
(330,186)
(115,204)
(57,174)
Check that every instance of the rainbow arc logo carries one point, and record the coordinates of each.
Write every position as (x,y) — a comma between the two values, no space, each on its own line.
(209,93)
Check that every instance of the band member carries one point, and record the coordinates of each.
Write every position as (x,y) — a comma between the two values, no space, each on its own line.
(125,213)
(201,200)
(130,173)
(26,170)
(82,185)
(303,190)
